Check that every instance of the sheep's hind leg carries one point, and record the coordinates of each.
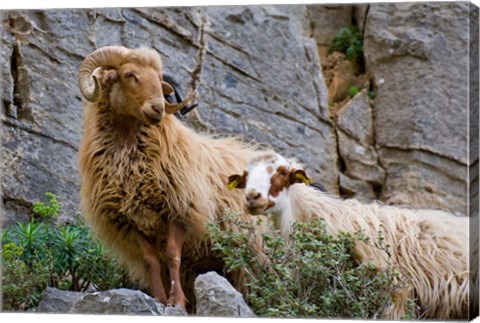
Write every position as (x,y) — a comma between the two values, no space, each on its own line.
(152,263)
(175,240)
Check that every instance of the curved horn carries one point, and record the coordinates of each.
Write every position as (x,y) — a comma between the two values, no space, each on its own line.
(110,56)
(173,108)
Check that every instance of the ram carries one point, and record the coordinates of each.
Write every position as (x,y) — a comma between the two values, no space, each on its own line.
(149,183)
(430,247)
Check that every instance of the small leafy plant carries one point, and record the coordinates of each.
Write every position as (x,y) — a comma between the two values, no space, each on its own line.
(48,211)
(348,41)
(353,90)
(38,254)
(315,275)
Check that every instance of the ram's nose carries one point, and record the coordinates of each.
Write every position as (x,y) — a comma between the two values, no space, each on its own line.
(153,111)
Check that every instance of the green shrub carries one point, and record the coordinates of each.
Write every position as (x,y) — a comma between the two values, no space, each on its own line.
(353,90)
(316,275)
(348,41)
(22,283)
(49,211)
(39,254)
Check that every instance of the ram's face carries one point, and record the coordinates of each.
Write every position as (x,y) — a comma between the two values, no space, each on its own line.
(133,81)
(139,92)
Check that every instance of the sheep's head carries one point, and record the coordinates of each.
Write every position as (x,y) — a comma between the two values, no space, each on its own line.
(133,79)
(265,178)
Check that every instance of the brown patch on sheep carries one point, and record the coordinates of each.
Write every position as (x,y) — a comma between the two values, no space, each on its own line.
(279,181)
(266,157)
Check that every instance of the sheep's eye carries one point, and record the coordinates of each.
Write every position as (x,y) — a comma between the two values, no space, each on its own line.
(284,172)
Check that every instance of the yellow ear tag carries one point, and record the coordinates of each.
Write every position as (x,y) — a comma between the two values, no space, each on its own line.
(306,180)
(233,184)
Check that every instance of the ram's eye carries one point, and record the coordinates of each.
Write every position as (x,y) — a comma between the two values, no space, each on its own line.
(129,75)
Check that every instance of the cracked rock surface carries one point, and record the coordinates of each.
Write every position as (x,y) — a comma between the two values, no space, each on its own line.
(418,55)
(258,75)
(264,86)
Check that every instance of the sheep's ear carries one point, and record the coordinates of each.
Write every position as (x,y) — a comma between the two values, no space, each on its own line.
(237,181)
(299,176)
(167,88)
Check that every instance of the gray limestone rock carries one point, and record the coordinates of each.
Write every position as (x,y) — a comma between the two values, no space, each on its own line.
(418,56)
(216,297)
(361,162)
(358,189)
(58,301)
(355,118)
(118,301)
(115,301)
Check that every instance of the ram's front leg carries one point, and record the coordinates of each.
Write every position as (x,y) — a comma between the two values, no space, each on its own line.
(175,239)
(152,263)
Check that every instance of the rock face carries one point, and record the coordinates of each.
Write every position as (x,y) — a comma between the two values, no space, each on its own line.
(216,297)
(417,54)
(258,75)
(264,86)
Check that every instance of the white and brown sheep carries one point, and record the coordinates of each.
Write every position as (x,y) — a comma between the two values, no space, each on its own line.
(149,184)
(430,248)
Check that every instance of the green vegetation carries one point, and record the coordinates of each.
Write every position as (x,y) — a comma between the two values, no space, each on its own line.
(38,254)
(353,90)
(47,211)
(313,24)
(348,41)
(316,275)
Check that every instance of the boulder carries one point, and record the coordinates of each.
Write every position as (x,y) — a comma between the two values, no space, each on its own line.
(58,301)
(120,301)
(216,297)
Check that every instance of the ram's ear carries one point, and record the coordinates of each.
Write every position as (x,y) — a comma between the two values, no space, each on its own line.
(237,181)
(106,76)
(110,77)
(299,176)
